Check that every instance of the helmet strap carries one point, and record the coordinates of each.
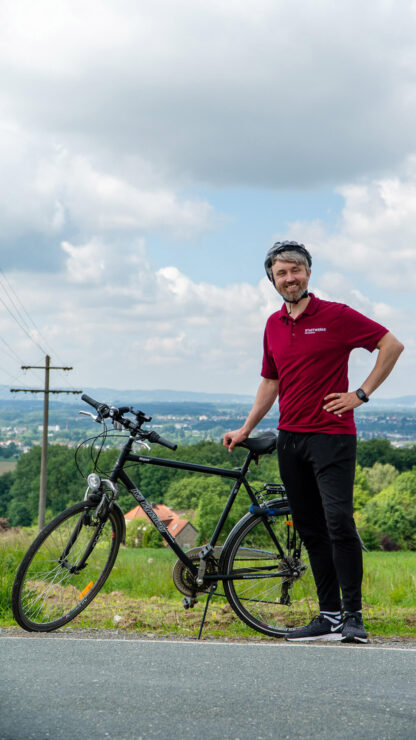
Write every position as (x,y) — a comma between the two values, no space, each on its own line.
(289,300)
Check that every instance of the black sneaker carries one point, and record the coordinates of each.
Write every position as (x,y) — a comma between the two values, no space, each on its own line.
(319,629)
(353,628)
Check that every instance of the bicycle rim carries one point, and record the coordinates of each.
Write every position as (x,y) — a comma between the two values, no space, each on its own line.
(266,593)
(48,591)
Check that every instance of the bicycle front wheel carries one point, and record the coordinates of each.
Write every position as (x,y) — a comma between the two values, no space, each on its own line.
(270,589)
(64,568)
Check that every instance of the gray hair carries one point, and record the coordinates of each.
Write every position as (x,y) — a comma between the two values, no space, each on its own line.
(291,256)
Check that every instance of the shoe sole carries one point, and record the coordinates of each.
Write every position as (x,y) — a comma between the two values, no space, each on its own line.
(354,638)
(330,636)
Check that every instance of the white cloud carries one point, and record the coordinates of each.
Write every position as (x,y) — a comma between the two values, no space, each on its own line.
(121,324)
(47,192)
(376,234)
(112,115)
(277,94)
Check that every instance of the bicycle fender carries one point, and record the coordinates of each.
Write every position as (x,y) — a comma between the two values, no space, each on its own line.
(121,522)
(276,506)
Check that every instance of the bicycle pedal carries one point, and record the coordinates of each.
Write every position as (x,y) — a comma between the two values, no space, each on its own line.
(188,602)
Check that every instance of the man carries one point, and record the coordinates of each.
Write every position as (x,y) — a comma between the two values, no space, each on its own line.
(306,350)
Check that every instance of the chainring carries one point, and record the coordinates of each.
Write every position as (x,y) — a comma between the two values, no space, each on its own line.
(185,581)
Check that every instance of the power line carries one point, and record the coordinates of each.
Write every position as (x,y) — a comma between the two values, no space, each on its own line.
(29,321)
(16,356)
(16,308)
(23,328)
(47,367)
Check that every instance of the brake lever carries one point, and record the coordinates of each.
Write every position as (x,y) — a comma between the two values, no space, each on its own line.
(142,444)
(97,418)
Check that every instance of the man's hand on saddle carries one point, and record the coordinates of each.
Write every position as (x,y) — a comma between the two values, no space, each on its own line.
(340,403)
(231,439)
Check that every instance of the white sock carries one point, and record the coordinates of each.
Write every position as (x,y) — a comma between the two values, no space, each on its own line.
(333,617)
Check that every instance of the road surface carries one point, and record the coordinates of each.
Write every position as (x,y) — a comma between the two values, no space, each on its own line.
(145,689)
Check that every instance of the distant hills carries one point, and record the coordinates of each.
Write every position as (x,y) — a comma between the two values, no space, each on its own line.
(110,395)
(134,397)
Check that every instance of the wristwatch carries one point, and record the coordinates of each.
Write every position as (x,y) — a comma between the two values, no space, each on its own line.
(362,395)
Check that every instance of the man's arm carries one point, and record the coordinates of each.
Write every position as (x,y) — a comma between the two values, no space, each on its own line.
(389,350)
(266,395)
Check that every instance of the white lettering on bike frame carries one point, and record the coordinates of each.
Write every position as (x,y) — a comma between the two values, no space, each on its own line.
(147,508)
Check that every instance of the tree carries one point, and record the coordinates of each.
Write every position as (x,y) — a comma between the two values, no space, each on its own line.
(18,514)
(393,511)
(382,451)
(374,450)
(380,476)
(186,493)
(6,482)
(210,507)
(362,492)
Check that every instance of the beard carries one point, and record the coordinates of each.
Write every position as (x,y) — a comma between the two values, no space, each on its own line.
(295,293)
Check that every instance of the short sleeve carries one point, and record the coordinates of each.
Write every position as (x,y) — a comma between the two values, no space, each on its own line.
(268,369)
(360,331)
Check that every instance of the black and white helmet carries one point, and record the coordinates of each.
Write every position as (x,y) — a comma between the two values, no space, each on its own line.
(286,246)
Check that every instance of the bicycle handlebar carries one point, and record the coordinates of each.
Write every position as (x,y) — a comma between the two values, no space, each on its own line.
(104,410)
(91,401)
(155,437)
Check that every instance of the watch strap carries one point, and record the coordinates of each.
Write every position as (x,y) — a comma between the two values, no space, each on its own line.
(362,395)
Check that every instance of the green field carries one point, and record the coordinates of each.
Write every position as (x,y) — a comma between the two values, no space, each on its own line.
(140,595)
(7,465)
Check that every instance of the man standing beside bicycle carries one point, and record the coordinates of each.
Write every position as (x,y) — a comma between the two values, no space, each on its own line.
(305,362)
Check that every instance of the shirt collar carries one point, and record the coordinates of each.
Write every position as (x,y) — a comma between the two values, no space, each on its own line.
(310,309)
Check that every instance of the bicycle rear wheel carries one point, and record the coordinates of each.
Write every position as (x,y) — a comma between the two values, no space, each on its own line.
(52,584)
(270,593)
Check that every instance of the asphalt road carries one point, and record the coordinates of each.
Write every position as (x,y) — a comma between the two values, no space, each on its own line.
(132,689)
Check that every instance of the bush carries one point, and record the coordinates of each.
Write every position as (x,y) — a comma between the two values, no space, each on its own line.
(393,511)
(19,514)
(152,537)
(135,531)
(380,476)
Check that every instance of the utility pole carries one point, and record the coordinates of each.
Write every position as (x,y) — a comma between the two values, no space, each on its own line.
(44,455)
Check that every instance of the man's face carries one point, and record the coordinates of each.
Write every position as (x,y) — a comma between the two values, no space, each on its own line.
(290,279)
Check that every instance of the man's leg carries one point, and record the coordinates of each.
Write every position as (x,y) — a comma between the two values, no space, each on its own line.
(308,515)
(333,460)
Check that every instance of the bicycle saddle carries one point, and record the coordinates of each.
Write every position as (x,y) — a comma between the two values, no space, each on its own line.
(264,444)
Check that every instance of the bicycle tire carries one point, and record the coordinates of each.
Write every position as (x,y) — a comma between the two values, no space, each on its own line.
(46,595)
(259,599)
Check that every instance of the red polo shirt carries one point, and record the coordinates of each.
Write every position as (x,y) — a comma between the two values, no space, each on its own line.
(309,356)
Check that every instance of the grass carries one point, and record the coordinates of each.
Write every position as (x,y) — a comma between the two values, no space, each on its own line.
(7,465)
(140,595)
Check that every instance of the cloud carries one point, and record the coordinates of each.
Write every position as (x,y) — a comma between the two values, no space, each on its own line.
(48,194)
(115,118)
(120,323)
(376,233)
(276,94)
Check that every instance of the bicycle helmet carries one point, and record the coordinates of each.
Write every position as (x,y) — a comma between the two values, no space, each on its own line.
(286,246)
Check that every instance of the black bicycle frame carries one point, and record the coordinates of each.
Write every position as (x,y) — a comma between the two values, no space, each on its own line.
(238,474)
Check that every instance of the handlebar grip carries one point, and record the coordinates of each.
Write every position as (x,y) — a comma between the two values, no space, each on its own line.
(165,442)
(88,399)
(101,408)
(155,437)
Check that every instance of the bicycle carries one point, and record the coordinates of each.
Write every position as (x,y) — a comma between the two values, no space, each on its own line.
(263,565)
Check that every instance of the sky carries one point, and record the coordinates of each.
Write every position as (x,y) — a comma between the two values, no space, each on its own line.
(151,153)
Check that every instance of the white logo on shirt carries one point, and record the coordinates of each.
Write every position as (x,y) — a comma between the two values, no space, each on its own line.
(314,330)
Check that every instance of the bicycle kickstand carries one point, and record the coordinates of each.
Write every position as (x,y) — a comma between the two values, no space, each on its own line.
(211,593)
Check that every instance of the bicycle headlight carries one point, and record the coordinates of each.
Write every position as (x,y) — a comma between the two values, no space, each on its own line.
(94,481)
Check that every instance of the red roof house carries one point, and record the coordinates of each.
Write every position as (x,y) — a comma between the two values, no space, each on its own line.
(181,529)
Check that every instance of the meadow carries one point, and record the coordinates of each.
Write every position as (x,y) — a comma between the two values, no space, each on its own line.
(140,595)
